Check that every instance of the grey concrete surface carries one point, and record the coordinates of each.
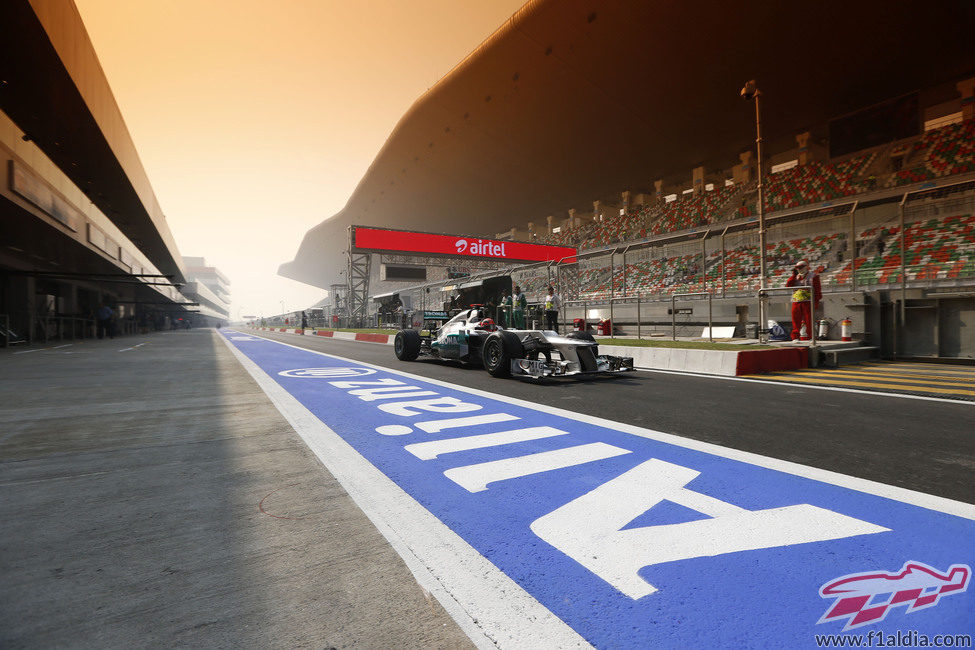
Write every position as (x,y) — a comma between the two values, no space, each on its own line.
(915,444)
(154,497)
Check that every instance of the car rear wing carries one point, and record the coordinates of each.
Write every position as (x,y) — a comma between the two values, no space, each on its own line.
(433,319)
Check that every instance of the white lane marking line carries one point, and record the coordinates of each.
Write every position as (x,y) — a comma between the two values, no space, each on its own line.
(58,347)
(465,583)
(813,386)
(29,351)
(904,495)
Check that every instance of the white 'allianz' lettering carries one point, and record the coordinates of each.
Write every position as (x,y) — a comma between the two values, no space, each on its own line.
(372,394)
(436,426)
(391,389)
(434,448)
(436,405)
(587,529)
(386,381)
(475,478)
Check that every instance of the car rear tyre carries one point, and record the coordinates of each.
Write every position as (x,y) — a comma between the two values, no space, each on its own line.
(584,336)
(498,351)
(406,345)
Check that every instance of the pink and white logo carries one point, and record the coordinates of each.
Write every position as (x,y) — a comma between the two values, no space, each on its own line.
(461,245)
(864,598)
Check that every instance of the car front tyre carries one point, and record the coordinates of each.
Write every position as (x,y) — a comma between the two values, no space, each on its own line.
(498,351)
(406,345)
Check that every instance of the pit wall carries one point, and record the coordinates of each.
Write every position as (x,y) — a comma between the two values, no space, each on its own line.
(728,363)
(734,311)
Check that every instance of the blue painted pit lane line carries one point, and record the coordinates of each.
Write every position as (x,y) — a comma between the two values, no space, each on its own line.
(632,537)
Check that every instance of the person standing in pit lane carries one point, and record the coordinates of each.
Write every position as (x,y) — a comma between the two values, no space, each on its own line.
(105,325)
(520,303)
(552,307)
(802,275)
(504,313)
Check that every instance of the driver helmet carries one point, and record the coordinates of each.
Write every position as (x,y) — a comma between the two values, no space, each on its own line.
(488,324)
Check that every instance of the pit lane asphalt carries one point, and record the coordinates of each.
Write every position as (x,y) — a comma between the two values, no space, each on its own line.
(921,445)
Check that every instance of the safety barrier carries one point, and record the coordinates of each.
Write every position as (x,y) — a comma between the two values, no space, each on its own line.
(563,323)
(639,301)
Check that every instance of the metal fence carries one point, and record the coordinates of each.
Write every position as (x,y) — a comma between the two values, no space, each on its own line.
(17,328)
(693,294)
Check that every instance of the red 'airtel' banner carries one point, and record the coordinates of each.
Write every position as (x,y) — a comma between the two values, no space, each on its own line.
(401,241)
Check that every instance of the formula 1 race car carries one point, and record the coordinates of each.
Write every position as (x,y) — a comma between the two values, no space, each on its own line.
(472,337)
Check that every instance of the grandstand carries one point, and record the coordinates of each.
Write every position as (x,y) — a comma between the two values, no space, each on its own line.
(939,248)
(936,249)
(843,215)
(939,153)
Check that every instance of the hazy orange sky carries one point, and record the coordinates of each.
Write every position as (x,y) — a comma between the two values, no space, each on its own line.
(255,120)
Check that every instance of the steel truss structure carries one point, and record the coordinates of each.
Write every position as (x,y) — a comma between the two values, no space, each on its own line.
(358,281)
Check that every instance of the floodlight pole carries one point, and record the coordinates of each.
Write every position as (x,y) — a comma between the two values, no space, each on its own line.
(763,267)
(751,91)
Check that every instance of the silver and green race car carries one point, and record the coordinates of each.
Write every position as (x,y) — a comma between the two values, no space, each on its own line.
(472,337)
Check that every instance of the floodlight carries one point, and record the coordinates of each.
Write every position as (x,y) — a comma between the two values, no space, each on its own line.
(750,90)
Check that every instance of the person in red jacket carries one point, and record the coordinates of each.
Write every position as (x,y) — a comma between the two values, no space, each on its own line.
(802,275)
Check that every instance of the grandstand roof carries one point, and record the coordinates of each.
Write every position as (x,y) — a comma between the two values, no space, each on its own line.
(572,101)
